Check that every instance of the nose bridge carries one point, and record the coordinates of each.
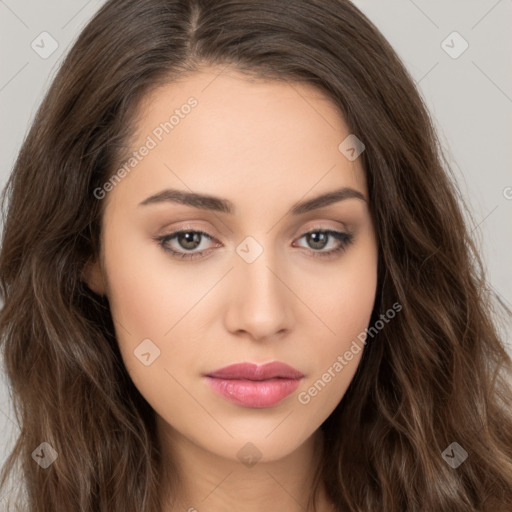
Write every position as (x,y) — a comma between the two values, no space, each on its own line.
(260,278)
(260,300)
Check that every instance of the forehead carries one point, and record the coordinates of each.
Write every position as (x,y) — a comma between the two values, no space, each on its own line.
(240,134)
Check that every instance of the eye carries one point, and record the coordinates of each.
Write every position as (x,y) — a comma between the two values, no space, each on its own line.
(189,240)
(318,239)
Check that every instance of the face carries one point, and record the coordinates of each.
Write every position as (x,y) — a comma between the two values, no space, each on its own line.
(261,272)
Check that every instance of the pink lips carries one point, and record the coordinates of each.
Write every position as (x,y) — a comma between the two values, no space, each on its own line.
(255,386)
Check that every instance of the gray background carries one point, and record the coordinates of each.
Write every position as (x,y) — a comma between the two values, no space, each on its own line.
(469,97)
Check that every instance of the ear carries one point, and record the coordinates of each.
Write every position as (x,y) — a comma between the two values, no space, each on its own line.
(92,275)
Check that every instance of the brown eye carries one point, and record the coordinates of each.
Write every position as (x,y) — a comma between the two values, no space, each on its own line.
(319,239)
(187,241)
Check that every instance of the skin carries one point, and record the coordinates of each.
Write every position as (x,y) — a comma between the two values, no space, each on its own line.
(263,146)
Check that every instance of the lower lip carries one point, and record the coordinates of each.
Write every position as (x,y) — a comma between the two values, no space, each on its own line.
(252,393)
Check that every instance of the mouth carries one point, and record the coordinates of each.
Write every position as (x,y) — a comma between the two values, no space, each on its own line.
(254,386)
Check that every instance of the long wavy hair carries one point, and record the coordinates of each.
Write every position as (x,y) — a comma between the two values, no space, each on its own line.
(438,373)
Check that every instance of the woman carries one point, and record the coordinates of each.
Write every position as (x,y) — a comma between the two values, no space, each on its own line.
(236,275)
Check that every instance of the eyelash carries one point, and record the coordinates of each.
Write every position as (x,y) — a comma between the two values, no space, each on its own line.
(345,240)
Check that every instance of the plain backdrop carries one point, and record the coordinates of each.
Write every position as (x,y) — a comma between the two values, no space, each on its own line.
(458,52)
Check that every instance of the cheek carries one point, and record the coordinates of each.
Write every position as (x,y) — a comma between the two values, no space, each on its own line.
(343,299)
(344,304)
(156,301)
(336,355)
(148,293)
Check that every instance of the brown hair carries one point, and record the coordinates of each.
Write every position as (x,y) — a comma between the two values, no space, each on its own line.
(434,375)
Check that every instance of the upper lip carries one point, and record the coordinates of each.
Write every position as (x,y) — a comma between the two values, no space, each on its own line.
(251,371)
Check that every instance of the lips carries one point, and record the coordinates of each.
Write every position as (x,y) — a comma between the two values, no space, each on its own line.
(250,371)
(254,386)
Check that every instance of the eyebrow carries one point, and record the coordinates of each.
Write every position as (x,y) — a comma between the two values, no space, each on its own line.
(207,202)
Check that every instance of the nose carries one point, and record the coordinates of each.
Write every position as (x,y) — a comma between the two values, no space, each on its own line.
(260,304)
